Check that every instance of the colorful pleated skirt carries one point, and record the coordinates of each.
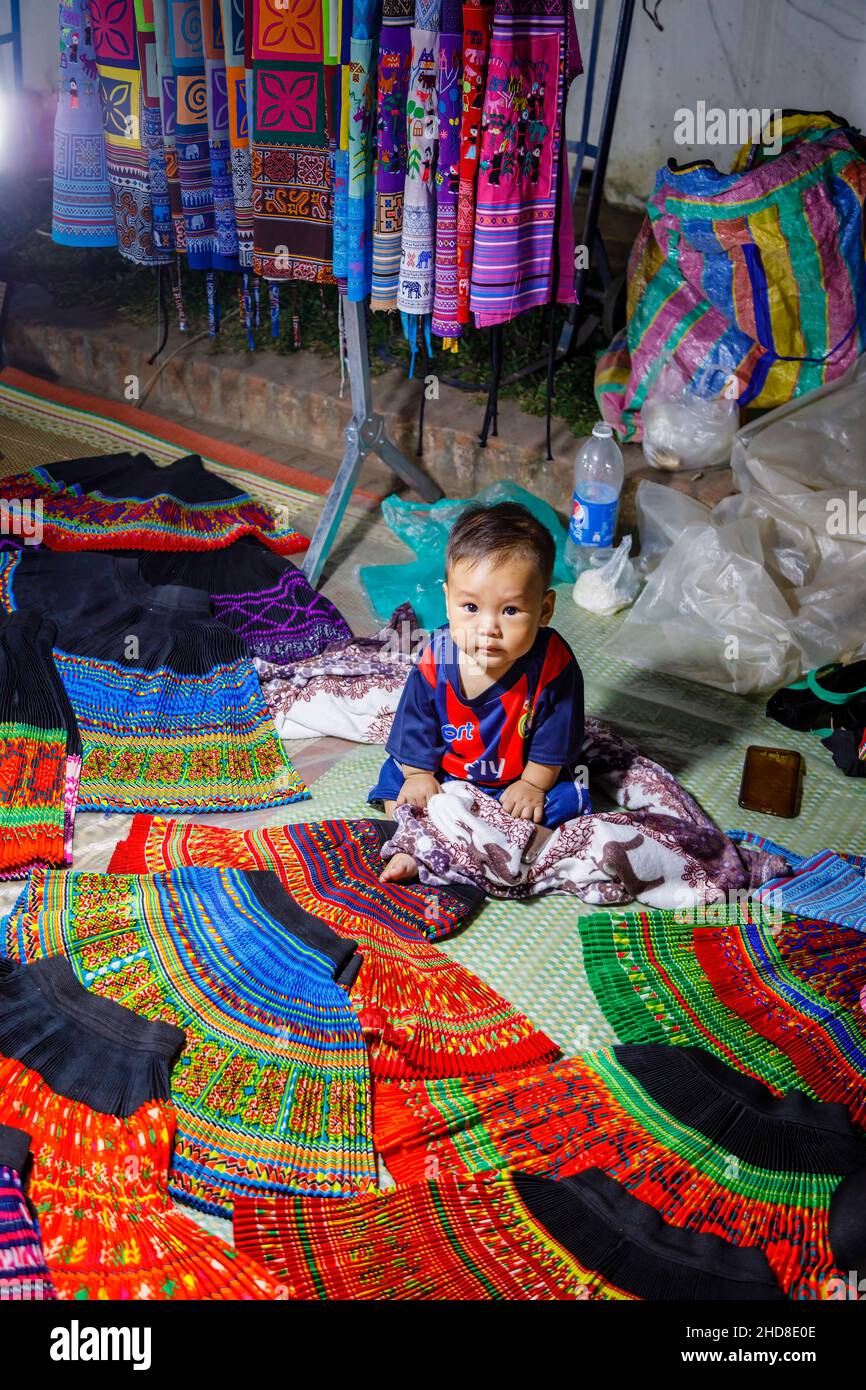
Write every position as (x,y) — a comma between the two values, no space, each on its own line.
(778,1001)
(40,749)
(495,1236)
(272,1091)
(88,1082)
(23,1272)
(422,1013)
(711,1150)
(168,704)
(126,501)
(262,597)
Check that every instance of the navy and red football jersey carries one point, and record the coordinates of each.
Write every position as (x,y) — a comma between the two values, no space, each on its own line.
(534,714)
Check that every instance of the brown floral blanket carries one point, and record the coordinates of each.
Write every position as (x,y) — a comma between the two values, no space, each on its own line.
(660,848)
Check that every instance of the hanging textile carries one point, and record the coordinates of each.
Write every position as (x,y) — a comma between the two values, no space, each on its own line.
(90,1080)
(40,749)
(496,1236)
(208,206)
(291,165)
(218,124)
(418,240)
(391,150)
(338,59)
(232,12)
(272,1089)
(711,1150)
(445,322)
(83,212)
(152,133)
(168,703)
(518,251)
(477,24)
(361,149)
(126,127)
(422,1013)
(168,113)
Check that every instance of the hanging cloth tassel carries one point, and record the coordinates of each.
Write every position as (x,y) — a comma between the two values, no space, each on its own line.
(274,299)
(410,330)
(257,302)
(428,354)
(491,414)
(161,315)
(177,292)
(296,319)
(213,308)
(246,309)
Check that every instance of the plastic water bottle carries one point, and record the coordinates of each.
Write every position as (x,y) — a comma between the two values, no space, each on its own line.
(598,479)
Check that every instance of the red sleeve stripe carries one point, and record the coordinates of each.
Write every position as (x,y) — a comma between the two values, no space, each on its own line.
(556,659)
(427,667)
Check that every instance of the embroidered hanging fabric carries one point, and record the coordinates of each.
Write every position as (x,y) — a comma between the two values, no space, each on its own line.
(365,28)
(232,12)
(168,703)
(291,165)
(445,322)
(495,1236)
(219,124)
(418,241)
(477,24)
(90,1081)
(168,112)
(339,61)
(152,132)
(422,1013)
(83,212)
(710,1149)
(780,1000)
(392,149)
(125,501)
(272,1090)
(40,749)
(128,129)
(520,221)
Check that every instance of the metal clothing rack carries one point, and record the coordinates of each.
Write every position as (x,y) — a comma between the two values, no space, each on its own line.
(12,36)
(365,434)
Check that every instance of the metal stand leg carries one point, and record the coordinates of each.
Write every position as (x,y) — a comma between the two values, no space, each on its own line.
(364,435)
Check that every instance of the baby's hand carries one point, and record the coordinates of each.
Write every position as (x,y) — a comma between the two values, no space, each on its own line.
(418,789)
(523,801)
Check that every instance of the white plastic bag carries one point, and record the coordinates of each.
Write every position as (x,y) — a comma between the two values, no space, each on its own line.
(607,587)
(684,426)
(771,582)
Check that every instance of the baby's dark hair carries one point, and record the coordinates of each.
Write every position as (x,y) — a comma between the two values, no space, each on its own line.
(504,529)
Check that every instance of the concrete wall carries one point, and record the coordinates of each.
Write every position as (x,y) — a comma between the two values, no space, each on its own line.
(787,53)
(728,53)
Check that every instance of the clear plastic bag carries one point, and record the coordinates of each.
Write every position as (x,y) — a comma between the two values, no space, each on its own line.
(771,582)
(683,425)
(606,587)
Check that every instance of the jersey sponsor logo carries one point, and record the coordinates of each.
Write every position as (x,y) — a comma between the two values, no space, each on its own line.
(490,769)
(456,733)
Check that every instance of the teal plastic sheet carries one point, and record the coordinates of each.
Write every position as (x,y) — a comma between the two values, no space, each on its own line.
(424,528)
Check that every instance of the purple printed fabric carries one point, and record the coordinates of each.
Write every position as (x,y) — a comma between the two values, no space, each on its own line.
(286,622)
(449,102)
(392,149)
(522,255)
(660,848)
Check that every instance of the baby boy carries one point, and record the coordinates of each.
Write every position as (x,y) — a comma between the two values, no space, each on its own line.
(496,698)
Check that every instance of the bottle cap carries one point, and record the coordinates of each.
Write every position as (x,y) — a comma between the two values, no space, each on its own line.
(602,430)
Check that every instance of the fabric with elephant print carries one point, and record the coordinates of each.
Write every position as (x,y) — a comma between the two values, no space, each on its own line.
(415,288)
(392,149)
(660,849)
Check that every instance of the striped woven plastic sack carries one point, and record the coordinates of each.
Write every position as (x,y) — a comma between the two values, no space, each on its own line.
(754,280)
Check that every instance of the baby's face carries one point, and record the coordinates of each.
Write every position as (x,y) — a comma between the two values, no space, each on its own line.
(495,608)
